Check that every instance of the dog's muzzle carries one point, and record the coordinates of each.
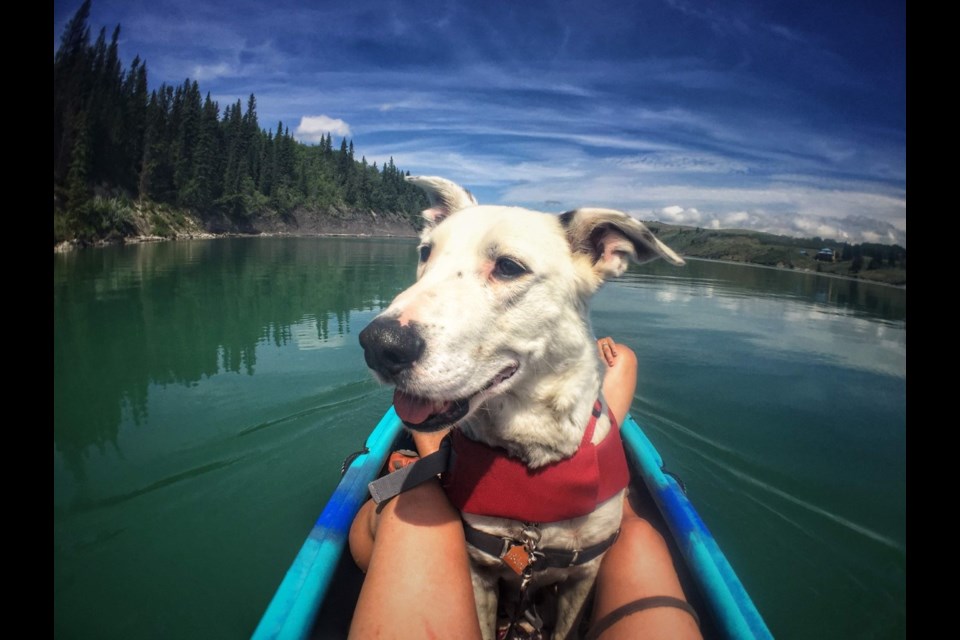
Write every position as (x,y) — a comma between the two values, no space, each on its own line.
(391,348)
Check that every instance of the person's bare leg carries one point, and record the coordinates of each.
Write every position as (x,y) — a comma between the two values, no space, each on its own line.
(639,563)
(363,530)
(639,566)
(418,583)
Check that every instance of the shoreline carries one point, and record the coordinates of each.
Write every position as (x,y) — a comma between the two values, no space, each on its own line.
(75,245)
(67,246)
(145,222)
(802,271)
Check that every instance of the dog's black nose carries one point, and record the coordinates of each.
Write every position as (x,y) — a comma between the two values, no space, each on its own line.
(390,347)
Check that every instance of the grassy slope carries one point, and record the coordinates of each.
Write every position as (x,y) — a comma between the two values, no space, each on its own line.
(755,247)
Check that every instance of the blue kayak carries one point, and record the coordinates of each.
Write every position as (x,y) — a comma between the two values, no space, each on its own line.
(305,605)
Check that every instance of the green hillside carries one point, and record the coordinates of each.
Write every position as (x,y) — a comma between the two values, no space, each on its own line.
(867,261)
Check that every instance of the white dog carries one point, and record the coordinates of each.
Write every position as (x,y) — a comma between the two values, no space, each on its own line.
(495,337)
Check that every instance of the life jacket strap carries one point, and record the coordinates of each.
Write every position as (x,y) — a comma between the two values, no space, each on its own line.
(410,476)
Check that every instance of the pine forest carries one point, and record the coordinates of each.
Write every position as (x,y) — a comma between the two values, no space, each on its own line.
(120,149)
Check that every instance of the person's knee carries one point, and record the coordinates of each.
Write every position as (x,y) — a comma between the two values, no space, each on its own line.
(626,358)
(361,535)
(642,536)
(643,542)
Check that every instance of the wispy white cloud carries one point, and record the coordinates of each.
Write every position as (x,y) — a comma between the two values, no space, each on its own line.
(852,229)
(676,186)
(720,22)
(203,72)
(679,161)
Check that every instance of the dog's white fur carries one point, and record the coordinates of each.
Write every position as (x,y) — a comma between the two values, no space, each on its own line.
(480,324)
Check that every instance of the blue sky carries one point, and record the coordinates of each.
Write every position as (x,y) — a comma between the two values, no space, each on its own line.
(788,117)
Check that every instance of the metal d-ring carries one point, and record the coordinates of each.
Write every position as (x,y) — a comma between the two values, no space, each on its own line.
(531,535)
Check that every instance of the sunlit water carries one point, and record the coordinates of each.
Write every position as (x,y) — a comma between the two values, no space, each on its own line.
(205,394)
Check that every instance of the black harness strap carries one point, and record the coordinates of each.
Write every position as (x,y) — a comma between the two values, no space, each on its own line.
(544,558)
(642,604)
(393,484)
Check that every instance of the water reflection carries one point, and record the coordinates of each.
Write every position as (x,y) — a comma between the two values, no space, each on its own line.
(126,318)
(741,281)
(804,316)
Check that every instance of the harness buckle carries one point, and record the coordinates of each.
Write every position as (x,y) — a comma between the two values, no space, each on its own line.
(573,560)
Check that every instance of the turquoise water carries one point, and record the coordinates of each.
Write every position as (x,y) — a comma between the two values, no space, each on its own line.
(205,394)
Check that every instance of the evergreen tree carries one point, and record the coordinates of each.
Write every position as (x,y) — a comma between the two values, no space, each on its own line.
(70,74)
(201,190)
(77,190)
(268,161)
(169,120)
(235,149)
(134,126)
(251,130)
(857,264)
(285,155)
(76,35)
(344,165)
(187,116)
(327,145)
(156,176)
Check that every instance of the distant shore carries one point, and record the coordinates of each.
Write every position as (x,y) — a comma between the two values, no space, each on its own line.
(156,223)
(882,264)
(826,274)
(71,245)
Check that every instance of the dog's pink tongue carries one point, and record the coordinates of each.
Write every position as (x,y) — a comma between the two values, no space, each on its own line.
(414,409)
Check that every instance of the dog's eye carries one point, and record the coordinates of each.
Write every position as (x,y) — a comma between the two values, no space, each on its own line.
(508,269)
(425,252)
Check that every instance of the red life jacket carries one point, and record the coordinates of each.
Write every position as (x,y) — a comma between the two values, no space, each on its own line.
(485,480)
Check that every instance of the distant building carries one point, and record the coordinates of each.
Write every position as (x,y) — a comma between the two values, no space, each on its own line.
(826,255)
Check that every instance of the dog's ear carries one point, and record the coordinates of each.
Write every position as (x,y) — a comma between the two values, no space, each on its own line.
(445,197)
(611,239)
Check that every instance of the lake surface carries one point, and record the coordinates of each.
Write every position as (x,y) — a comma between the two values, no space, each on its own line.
(206,392)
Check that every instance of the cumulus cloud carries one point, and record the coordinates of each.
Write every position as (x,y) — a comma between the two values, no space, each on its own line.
(313,128)
(736,217)
(678,215)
